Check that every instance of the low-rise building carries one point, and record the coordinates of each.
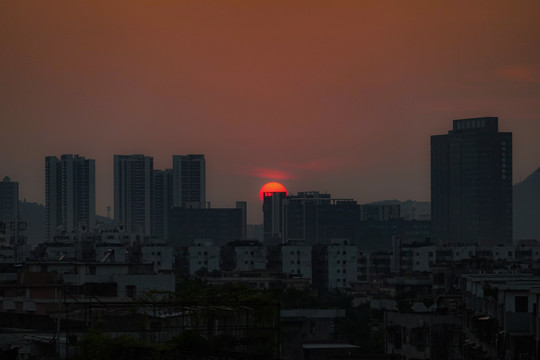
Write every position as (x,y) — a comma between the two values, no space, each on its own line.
(342,264)
(203,255)
(250,255)
(296,260)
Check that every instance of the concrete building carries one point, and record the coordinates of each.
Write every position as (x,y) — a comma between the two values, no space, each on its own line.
(455,253)
(527,250)
(422,335)
(9,204)
(133,177)
(38,287)
(189,224)
(162,203)
(307,327)
(342,264)
(296,260)
(70,193)
(318,218)
(189,180)
(501,316)
(424,258)
(471,184)
(160,255)
(250,256)
(203,254)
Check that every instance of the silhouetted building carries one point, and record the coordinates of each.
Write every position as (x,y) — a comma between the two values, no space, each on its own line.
(189,224)
(162,202)
(273,215)
(70,193)
(471,184)
(242,205)
(9,202)
(375,235)
(317,218)
(380,212)
(133,177)
(189,180)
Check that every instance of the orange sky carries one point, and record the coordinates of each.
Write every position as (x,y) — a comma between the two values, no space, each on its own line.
(336,96)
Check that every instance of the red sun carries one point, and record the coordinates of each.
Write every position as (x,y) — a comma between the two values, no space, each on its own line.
(271,187)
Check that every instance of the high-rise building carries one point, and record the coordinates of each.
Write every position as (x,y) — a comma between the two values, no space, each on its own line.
(70,193)
(314,217)
(471,184)
(9,204)
(133,178)
(9,200)
(189,181)
(273,215)
(162,202)
(242,205)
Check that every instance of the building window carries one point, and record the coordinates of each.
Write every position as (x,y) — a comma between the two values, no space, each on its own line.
(130,291)
(522,304)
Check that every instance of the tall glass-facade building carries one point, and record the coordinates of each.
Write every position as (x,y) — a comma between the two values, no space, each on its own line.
(471,184)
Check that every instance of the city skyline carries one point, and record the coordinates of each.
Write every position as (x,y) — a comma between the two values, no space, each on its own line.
(320,97)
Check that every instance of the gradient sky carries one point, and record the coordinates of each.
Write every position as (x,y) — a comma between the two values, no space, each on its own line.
(336,96)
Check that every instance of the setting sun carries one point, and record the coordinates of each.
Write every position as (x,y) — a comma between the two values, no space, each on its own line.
(271,187)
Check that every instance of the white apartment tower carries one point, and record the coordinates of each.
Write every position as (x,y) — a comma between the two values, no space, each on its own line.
(70,193)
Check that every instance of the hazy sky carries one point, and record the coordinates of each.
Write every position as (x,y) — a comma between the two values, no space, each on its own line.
(336,96)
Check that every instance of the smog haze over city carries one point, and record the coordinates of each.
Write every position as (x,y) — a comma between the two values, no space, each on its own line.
(339,97)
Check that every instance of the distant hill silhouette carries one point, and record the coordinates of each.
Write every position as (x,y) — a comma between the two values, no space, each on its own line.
(527,207)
